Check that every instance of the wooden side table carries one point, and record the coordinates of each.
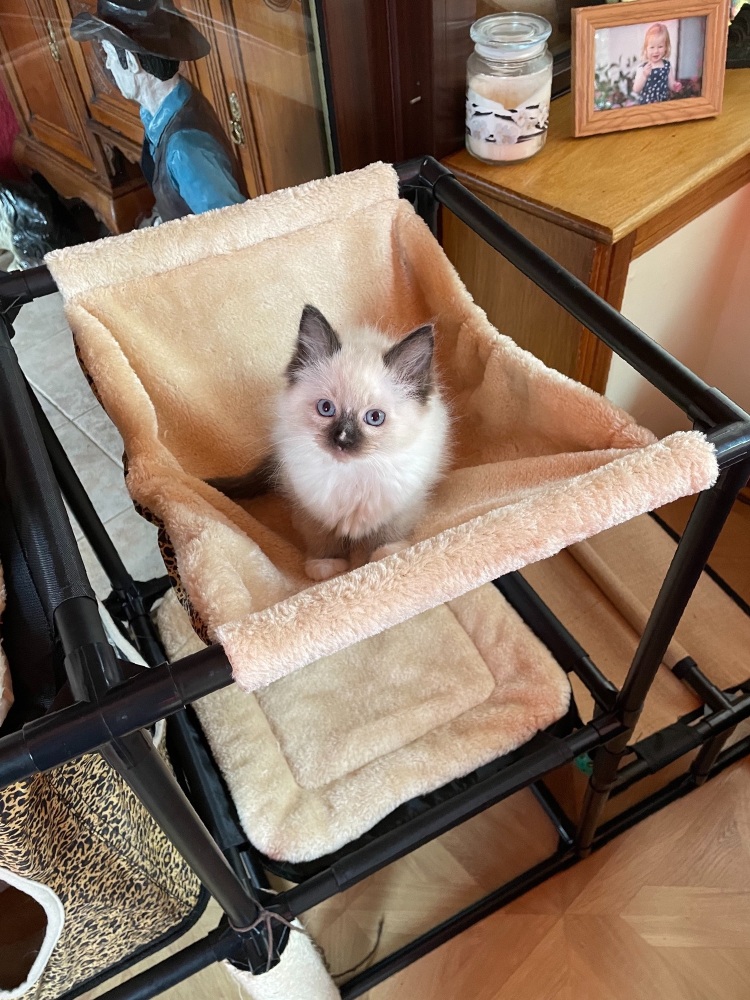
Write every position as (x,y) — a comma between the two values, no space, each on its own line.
(594,204)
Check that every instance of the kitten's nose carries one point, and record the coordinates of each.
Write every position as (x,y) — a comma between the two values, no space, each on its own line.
(345,433)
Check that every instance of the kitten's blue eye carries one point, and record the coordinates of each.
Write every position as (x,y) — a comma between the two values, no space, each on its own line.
(374,418)
(326,408)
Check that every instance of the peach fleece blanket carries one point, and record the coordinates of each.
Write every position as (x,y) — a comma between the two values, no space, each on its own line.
(186,330)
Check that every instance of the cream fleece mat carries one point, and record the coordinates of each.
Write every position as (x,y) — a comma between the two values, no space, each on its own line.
(186,330)
(318,757)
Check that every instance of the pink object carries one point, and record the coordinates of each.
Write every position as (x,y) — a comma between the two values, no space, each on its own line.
(8,133)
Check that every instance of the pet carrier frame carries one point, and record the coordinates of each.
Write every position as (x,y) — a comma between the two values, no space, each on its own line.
(113,701)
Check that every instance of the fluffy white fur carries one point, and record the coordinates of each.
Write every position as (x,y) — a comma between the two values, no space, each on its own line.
(362,504)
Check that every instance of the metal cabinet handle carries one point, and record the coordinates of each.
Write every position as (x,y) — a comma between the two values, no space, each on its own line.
(53,41)
(235,121)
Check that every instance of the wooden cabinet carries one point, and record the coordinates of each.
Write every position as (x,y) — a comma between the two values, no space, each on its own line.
(397,76)
(262,80)
(39,73)
(105,104)
(84,138)
(595,204)
(52,109)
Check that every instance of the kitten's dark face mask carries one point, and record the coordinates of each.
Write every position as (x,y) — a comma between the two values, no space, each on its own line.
(346,434)
(344,426)
(348,428)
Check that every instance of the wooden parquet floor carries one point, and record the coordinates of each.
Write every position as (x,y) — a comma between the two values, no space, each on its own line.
(661,913)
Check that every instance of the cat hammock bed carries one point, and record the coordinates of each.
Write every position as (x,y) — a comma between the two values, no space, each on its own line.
(356,694)
(186,331)
(185,352)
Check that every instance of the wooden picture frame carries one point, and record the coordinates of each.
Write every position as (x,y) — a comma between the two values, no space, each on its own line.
(609,64)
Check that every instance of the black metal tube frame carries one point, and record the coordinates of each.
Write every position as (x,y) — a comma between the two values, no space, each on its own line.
(728,426)
(568,652)
(141,700)
(216,946)
(92,668)
(556,863)
(107,555)
(706,522)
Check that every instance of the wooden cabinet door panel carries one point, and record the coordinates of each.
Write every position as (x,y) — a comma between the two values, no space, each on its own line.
(216,78)
(275,60)
(35,61)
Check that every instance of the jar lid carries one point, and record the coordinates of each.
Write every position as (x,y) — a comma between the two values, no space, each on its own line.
(511,35)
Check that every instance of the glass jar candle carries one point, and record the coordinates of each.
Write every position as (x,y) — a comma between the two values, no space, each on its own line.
(509,84)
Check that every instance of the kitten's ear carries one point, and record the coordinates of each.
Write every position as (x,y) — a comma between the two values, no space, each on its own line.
(410,360)
(316,341)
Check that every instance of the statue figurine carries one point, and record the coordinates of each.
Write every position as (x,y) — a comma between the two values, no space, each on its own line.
(187,158)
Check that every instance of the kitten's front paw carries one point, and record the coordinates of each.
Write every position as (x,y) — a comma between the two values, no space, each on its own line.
(324,569)
(387,550)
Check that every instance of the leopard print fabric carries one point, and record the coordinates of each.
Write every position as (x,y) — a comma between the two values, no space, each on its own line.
(80,830)
(170,561)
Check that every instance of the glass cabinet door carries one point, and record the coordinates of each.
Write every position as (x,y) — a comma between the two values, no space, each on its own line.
(280,87)
(262,78)
(36,68)
(81,133)
(106,105)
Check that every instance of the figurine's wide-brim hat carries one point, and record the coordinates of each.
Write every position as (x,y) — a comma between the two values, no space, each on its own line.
(149,27)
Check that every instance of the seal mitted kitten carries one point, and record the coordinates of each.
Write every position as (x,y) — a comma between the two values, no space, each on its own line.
(359,440)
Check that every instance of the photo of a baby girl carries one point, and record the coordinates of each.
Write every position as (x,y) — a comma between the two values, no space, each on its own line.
(648,63)
(655,76)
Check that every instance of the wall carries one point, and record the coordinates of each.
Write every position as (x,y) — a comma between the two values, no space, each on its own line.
(692,295)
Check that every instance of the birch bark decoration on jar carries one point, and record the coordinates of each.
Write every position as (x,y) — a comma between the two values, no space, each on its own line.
(509,85)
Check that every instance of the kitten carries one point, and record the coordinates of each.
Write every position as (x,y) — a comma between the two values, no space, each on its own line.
(359,440)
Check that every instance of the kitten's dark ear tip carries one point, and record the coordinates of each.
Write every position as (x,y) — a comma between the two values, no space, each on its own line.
(311,313)
(425,333)
(316,340)
(410,360)
(312,317)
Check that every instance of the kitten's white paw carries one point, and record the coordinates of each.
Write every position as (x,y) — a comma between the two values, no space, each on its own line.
(324,569)
(388,550)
